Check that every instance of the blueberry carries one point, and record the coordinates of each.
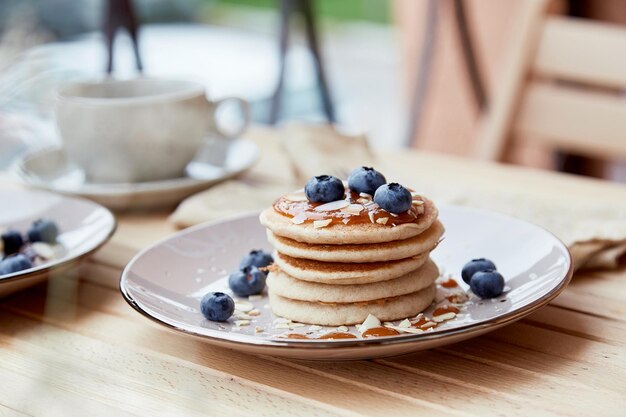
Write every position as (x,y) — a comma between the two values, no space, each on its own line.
(324,189)
(256,258)
(12,242)
(247,281)
(393,197)
(487,284)
(43,230)
(365,180)
(14,263)
(217,306)
(474,266)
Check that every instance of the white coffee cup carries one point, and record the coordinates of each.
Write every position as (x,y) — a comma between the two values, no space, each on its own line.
(143,129)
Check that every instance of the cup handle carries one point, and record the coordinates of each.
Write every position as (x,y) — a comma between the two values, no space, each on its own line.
(245,111)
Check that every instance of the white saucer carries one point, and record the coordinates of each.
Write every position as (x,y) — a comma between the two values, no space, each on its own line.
(50,169)
(84,226)
(535,264)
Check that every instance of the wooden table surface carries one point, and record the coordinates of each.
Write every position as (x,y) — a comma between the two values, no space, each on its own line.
(74,347)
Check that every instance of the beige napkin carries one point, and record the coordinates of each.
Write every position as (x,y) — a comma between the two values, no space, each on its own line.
(595,235)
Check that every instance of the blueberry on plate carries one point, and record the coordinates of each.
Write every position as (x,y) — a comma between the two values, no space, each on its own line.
(12,242)
(14,263)
(217,306)
(365,180)
(43,230)
(256,258)
(474,266)
(324,189)
(393,197)
(247,281)
(487,284)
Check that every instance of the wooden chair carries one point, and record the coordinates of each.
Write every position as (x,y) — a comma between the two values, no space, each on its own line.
(562,89)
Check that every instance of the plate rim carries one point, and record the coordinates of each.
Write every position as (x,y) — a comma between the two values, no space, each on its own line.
(65,261)
(236,340)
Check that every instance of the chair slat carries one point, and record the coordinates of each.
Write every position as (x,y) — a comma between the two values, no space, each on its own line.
(575,120)
(583,51)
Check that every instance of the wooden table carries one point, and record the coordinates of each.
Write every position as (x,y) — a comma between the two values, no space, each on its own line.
(74,347)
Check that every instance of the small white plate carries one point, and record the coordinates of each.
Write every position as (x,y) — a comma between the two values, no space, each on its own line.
(84,226)
(166,282)
(49,169)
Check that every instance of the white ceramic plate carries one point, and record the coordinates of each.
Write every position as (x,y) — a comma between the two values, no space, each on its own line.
(166,282)
(49,169)
(84,226)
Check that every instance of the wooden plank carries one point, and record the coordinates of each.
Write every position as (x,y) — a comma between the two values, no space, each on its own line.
(555,395)
(271,381)
(574,120)
(530,362)
(104,325)
(566,346)
(402,383)
(593,304)
(582,50)
(147,379)
(579,324)
(30,396)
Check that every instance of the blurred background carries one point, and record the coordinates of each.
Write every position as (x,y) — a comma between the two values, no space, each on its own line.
(449,76)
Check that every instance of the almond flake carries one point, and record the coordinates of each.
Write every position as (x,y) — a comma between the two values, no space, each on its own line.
(254,312)
(240,323)
(415,194)
(333,205)
(353,209)
(371,215)
(43,250)
(295,325)
(346,220)
(405,323)
(258,329)
(299,218)
(406,329)
(444,317)
(418,202)
(366,195)
(242,316)
(281,320)
(295,197)
(243,306)
(342,329)
(370,322)
(315,328)
(318,224)
(382,220)
(281,326)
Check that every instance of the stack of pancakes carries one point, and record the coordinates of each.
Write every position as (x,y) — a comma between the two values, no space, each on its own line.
(337,275)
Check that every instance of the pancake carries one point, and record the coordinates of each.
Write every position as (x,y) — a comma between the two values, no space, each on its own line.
(343,234)
(388,309)
(387,251)
(347,273)
(286,286)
